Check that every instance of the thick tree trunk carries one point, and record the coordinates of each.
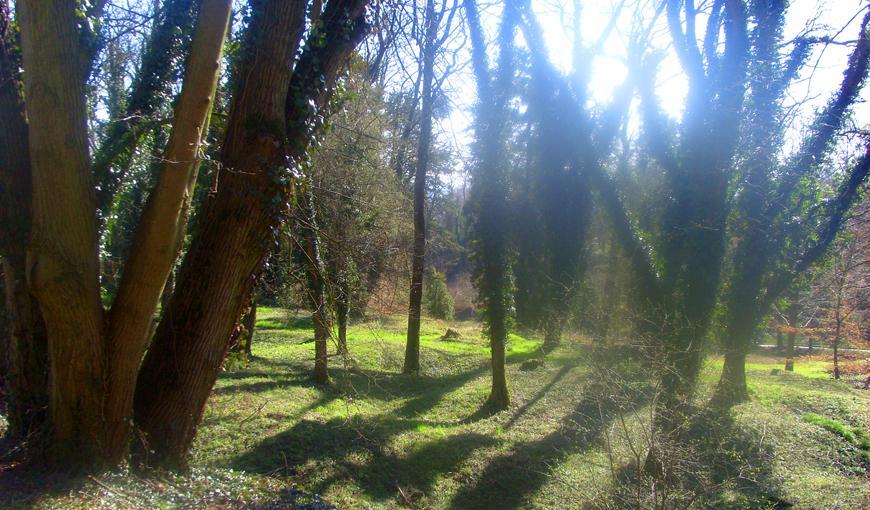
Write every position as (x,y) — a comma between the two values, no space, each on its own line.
(161,227)
(26,351)
(239,221)
(63,267)
(732,384)
(732,387)
(216,277)
(789,351)
(26,387)
(415,302)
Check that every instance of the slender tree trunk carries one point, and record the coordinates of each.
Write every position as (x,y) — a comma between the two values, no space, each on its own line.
(161,228)
(836,344)
(316,286)
(490,190)
(779,341)
(342,311)
(153,80)
(250,324)
(789,351)
(63,266)
(499,395)
(415,303)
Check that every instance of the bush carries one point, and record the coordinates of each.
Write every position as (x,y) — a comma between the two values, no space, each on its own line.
(437,298)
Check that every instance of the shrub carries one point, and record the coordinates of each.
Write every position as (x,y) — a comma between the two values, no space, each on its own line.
(437,298)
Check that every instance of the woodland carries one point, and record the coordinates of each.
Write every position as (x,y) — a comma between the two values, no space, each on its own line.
(434,254)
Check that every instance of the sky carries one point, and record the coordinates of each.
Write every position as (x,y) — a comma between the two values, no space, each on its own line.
(609,69)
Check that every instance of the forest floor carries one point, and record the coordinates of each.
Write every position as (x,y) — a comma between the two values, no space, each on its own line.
(575,435)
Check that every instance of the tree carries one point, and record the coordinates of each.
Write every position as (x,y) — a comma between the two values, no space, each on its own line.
(431,44)
(489,193)
(274,117)
(439,303)
(26,356)
(841,288)
(89,419)
(778,236)
(677,274)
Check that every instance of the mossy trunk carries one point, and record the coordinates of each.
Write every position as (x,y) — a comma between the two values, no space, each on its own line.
(315,271)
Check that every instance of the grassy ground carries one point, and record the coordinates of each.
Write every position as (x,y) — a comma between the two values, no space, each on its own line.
(574,437)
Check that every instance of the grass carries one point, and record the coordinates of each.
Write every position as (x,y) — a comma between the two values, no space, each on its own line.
(574,437)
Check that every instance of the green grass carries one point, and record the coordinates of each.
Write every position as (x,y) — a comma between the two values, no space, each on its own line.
(574,437)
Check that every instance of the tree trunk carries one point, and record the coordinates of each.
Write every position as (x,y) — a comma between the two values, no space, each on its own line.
(215,279)
(240,220)
(249,322)
(26,350)
(732,384)
(789,351)
(63,266)
(778,341)
(151,84)
(499,395)
(160,232)
(415,302)
(26,385)
(836,344)
(342,311)
(316,286)
(741,326)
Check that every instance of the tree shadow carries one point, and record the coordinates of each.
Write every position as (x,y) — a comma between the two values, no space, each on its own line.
(716,464)
(359,451)
(509,479)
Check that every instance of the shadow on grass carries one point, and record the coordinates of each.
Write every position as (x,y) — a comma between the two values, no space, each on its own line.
(509,479)
(717,464)
(359,451)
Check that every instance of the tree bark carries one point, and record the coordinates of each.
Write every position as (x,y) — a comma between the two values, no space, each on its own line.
(26,376)
(161,227)
(490,190)
(216,276)
(732,384)
(270,113)
(415,302)
(63,268)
